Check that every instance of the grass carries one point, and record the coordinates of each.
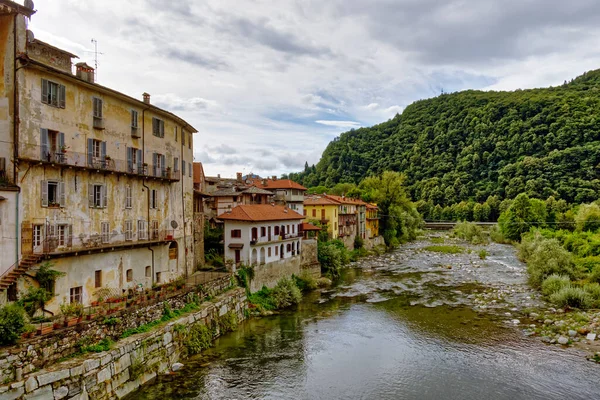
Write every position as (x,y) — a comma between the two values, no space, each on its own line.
(446,249)
(437,240)
(483,254)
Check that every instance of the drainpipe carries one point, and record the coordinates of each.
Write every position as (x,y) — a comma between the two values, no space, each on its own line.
(144,184)
(16,135)
(183,208)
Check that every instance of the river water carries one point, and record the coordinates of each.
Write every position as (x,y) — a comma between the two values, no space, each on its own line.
(412,324)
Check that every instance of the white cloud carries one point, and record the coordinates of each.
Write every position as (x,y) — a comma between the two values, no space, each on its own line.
(339,124)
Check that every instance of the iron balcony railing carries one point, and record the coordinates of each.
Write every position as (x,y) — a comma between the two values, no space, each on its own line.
(88,161)
(70,243)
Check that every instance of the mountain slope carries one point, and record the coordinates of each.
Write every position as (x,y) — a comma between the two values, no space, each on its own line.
(472,144)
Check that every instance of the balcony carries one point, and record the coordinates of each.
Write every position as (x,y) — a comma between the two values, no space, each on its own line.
(85,243)
(73,159)
(274,238)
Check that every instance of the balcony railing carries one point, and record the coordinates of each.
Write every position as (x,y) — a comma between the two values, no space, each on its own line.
(83,242)
(88,161)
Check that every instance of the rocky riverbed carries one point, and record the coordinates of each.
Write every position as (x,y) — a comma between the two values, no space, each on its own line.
(492,283)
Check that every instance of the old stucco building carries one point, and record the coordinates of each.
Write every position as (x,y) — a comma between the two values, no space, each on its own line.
(101,182)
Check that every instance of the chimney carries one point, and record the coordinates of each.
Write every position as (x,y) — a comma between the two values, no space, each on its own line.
(219,176)
(264,182)
(84,72)
(146,97)
(274,177)
(239,177)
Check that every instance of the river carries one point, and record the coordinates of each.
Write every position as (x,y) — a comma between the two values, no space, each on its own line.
(412,324)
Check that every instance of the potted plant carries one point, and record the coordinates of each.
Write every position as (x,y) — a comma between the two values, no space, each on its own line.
(28,332)
(107,157)
(63,148)
(72,312)
(45,328)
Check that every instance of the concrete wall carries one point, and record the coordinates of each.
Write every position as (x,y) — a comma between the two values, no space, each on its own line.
(310,261)
(269,274)
(133,362)
(374,242)
(9,229)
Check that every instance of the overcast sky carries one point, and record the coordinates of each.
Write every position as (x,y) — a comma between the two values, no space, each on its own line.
(269,83)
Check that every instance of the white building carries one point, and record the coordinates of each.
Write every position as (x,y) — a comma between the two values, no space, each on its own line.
(261,233)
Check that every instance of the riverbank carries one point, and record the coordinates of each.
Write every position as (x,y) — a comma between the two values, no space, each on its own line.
(441,270)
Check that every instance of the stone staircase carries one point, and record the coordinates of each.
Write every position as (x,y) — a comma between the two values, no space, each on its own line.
(19,269)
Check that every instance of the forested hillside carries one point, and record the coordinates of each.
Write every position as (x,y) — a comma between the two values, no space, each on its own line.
(472,144)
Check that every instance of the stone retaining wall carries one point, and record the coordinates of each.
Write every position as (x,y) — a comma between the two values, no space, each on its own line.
(41,351)
(133,362)
(374,242)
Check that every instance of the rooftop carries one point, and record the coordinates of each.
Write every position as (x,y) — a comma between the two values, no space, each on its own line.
(277,184)
(320,201)
(260,212)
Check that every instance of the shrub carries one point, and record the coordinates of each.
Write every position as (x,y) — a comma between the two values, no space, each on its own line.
(358,242)
(262,300)
(497,236)
(12,323)
(34,299)
(445,249)
(470,232)
(305,282)
(588,217)
(330,258)
(227,323)
(528,245)
(198,338)
(573,297)
(548,258)
(595,275)
(554,283)
(286,293)
(483,254)
(594,290)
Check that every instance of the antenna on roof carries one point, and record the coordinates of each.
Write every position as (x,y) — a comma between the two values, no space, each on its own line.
(96,59)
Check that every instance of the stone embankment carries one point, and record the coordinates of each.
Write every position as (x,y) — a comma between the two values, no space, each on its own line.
(131,363)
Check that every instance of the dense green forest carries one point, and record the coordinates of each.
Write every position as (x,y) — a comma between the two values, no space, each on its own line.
(467,146)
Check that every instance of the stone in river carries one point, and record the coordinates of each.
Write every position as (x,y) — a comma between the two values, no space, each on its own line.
(516,321)
(591,336)
(176,367)
(572,333)
(563,340)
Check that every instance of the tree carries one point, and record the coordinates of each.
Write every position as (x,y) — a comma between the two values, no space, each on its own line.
(522,214)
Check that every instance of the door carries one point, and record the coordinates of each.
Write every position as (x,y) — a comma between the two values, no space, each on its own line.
(323,214)
(237,257)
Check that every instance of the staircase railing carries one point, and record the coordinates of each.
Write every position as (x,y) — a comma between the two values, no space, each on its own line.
(9,270)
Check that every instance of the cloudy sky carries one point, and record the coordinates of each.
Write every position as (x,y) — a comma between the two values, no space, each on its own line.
(269,83)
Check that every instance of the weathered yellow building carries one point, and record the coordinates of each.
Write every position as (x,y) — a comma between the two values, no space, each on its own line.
(372,221)
(106,187)
(325,211)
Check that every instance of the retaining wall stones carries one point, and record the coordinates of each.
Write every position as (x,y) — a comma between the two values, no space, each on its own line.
(133,362)
(41,351)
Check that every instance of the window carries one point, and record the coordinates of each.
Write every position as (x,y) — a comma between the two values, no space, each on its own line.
(269,252)
(53,194)
(158,276)
(175,129)
(98,279)
(293,228)
(314,212)
(37,235)
(159,164)
(62,234)
(148,271)
(142,231)
(105,232)
(190,141)
(158,127)
(153,199)
(154,230)
(276,250)
(53,146)
(183,138)
(96,153)
(128,199)
(134,119)
(76,294)
(276,231)
(53,94)
(263,231)
(236,233)
(305,213)
(97,195)
(97,103)
(183,167)
(176,164)
(190,170)
(129,275)
(128,230)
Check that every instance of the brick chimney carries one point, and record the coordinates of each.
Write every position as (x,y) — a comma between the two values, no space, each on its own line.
(146,97)
(84,72)
(274,177)
(239,177)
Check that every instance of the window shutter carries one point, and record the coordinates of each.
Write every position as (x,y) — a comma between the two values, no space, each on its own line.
(44,91)
(139,159)
(69,235)
(104,196)
(163,163)
(45,147)
(162,129)
(103,150)
(154,126)
(154,162)
(61,140)
(61,96)
(61,194)
(91,195)
(130,159)
(90,151)
(44,193)
(183,138)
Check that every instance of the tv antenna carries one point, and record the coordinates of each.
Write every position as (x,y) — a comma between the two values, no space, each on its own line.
(96,59)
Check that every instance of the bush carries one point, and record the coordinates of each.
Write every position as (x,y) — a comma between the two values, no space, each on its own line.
(549,257)
(483,254)
(445,249)
(595,275)
(286,293)
(358,242)
(331,259)
(262,300)
(497,236)
(470,232)
(12,323)
(588,218)
(554,283)
(198,338)
(573,297)
(305,282)
(594,290)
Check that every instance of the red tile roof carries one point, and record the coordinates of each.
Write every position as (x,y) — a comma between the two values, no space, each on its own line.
(320,201)
(344,200)
(309,227)
(277,184)
(260,212)
(198,173)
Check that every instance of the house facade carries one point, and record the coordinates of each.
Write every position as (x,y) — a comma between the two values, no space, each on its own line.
(372,221)
(261,234)
(106,187)
(323,210)
(285,192)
